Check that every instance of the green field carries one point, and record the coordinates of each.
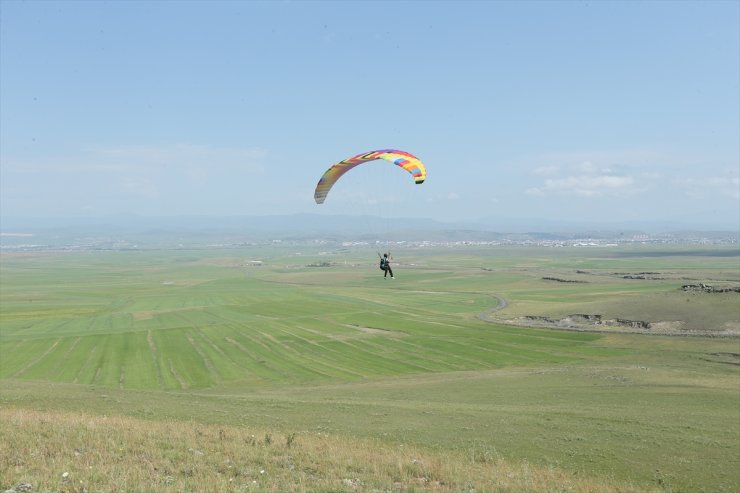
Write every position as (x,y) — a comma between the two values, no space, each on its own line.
(313,342)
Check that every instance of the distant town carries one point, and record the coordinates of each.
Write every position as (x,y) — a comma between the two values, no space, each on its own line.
(69,241)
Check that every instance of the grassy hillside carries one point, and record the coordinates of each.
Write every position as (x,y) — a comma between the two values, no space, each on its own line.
(309,343)
(144,455)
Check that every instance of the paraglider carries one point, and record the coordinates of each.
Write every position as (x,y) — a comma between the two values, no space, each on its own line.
(385,264)
(404,159)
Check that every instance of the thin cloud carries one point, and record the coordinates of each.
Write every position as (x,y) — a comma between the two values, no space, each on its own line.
(443,197)
(139,187)
(137,159)
(584,178)
(587,186)
(187,159)
(622,173)
(146,171)
(711,186)
(196,174)
(546,170)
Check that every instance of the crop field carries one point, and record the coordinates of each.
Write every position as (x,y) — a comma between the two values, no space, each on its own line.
(589,368)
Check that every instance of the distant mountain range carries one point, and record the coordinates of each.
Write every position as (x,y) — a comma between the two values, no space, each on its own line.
(319,226)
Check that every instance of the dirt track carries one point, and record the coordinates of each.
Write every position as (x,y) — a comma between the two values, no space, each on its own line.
(502,303)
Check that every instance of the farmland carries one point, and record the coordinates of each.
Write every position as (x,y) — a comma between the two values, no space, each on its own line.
(307,343)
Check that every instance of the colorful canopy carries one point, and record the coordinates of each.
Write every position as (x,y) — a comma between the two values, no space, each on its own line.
(405,160)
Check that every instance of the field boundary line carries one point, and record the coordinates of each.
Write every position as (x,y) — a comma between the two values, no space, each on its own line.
(37,360)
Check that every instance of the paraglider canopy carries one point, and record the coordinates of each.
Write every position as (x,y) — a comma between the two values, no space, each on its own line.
(404,159)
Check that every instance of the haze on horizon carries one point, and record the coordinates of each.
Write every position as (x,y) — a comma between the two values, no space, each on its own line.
(562,111)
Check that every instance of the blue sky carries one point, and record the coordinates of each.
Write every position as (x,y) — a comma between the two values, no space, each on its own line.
(577,111)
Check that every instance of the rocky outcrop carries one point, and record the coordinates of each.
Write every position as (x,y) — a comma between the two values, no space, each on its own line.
(708,288)
(580,320)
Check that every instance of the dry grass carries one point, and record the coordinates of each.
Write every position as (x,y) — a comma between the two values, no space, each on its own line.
(73,452)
